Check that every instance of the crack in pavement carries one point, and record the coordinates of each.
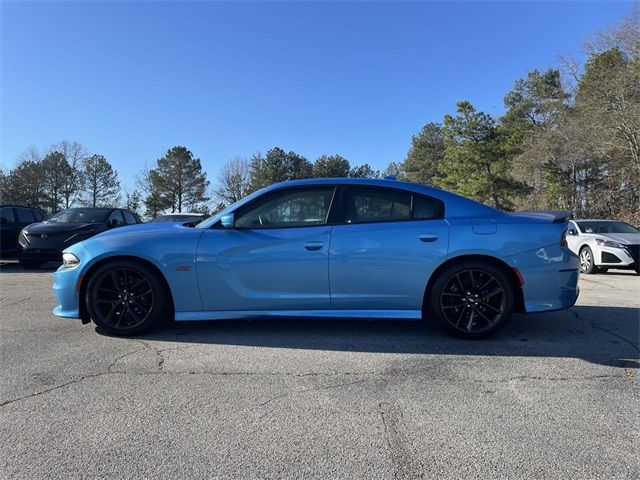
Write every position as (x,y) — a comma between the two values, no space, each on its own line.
(402,452)
(110,371)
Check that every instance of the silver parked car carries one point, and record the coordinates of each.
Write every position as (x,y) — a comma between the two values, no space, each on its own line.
(604,244)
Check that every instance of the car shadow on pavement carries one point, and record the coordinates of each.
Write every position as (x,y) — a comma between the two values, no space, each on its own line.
(601,335)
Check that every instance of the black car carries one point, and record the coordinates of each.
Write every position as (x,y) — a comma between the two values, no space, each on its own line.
(14,218)
(44,242)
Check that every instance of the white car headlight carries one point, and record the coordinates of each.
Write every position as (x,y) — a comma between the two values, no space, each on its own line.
(69,260)
(608,243)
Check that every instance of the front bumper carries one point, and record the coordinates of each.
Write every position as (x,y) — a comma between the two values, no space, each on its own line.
(628,257)
(67,282)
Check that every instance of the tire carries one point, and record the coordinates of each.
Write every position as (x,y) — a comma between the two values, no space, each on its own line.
(30,264)
(587,262)
(125,298)
(471,300)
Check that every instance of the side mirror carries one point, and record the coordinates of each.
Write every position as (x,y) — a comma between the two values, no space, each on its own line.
(572,231)
(228,220)
(113,223)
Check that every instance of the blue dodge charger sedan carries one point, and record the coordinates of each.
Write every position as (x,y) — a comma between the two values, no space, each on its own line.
(348,248)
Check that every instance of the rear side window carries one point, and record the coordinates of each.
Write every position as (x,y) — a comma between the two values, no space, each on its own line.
(365,205)
(6,214)
(376,205)
(427,208)
(129,217)
(25,215)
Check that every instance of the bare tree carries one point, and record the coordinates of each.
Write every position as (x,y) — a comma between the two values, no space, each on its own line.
(234,180)
(72,183)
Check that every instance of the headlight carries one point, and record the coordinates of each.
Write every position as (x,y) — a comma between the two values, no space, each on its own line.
(69,260)
(608,243)
(23,240)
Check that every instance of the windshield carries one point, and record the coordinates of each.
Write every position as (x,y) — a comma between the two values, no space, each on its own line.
(80,215)
(607,227)
(178,218)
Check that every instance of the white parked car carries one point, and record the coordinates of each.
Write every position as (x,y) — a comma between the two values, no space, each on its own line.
(604,244)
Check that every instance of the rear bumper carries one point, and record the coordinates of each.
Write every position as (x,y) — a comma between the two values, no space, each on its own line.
(550,278)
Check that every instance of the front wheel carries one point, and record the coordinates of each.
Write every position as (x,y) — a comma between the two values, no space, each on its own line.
(587,263)
(471,300)
(125,298)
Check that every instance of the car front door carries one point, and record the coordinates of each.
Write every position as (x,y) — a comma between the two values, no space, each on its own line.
(275,257)
(386,246)
(8,230)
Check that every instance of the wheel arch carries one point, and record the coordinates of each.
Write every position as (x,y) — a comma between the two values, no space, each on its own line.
(514,281)
(84,314)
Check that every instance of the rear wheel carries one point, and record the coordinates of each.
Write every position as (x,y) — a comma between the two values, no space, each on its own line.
(125,298)
(587,263)
(471,300)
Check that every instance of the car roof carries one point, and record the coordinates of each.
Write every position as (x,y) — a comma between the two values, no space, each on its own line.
(10,205)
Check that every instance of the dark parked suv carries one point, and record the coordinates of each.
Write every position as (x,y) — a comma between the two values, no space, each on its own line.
(14,218)
(44,242)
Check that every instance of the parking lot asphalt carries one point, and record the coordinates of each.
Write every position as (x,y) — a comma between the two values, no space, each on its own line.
(551,396)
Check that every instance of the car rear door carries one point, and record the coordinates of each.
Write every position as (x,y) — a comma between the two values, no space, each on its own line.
(274,258)
(386,246)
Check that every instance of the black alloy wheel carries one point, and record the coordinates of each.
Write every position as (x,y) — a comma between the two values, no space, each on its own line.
(125,298)
(472,300)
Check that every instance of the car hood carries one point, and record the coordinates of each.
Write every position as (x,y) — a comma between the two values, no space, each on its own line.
(42,227)
(626,238)
(145,228)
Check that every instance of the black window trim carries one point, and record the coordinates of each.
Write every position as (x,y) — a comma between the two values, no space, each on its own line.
(412,194)
(329,220)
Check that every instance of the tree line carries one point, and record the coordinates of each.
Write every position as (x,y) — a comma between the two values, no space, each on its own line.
(569,139)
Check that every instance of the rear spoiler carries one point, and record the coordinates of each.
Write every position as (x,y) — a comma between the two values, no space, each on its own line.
(555,216)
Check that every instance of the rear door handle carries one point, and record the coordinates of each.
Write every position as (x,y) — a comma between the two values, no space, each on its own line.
(313,245)
(428,237)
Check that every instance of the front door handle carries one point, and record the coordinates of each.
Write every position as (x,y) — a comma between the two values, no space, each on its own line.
(313,245)
(428,237)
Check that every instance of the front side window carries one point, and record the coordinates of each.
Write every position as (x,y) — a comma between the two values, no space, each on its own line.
(289,208)
(38,215)
(364,205)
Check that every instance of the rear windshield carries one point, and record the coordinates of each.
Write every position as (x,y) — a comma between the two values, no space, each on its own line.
(607,227)
(80,215)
